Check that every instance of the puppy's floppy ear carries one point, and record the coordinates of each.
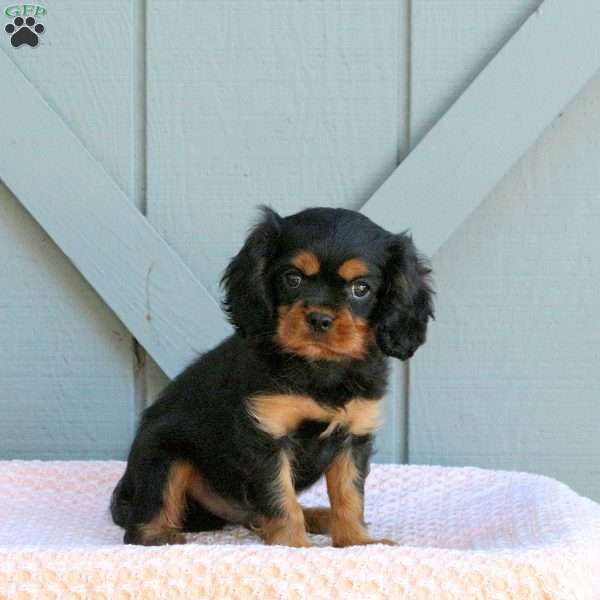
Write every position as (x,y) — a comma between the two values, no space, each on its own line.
(248,302)
(406,304)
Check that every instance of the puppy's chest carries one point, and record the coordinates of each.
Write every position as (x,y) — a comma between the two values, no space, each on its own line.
(281,415)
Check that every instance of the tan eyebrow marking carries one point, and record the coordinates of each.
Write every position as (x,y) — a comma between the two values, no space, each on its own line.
(307,262)
(353,268)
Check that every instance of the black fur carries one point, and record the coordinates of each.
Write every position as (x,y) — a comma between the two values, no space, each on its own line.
(248,302)
(202,416)
(406,304)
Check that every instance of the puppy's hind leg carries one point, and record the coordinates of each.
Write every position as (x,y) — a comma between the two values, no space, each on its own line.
(120,504)
(198,518)
(158,505)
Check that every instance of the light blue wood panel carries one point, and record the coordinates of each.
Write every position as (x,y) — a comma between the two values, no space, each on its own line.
(66,372)
(495,120)
(441,74)
(139,276)
(285,103)
(509,378)
(66,381)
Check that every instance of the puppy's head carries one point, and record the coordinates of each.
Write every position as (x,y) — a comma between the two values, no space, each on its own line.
(329,284)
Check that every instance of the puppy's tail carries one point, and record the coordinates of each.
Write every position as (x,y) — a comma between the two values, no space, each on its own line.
(120,504)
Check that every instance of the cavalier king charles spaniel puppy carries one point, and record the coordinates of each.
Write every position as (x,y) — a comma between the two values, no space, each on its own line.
(318,300)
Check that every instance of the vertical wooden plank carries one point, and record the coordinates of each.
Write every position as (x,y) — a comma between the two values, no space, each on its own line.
(142,359)
(66,373)
(509,377)
(285,103)
(394,437)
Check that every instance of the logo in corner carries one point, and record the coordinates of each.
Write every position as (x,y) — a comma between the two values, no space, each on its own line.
(25,29)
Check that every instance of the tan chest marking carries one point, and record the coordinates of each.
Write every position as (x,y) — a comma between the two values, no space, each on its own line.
(280,414)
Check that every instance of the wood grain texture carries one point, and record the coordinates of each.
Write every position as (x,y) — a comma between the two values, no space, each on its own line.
(109,241)
(509,378)
(285,103)
(66,374)
(497,118)
(440,75)
(298,104)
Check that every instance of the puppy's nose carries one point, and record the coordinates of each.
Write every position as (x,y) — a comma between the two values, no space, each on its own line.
(320,322)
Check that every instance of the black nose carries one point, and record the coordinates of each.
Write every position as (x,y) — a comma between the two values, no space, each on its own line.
(319,321)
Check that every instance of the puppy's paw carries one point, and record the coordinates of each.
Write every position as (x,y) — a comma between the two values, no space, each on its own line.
(142,537)
(383,541)
(292,541)
(282,531)
(173,538)
(345,541)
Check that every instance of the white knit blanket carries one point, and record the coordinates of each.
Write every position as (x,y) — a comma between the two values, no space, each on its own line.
(463,533)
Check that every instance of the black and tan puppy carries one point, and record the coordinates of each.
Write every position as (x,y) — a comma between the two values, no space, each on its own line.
(318,300)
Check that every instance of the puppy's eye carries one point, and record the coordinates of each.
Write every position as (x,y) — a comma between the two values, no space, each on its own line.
(360,289)
(292,279)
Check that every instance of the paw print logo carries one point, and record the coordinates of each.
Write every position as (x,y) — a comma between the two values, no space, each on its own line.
(24,32)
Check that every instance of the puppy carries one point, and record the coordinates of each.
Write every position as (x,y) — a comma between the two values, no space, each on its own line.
(317,300)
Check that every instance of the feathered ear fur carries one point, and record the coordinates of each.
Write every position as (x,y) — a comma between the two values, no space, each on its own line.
(406,304)
(248,301)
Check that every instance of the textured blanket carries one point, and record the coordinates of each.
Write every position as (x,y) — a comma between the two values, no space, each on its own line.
(463,533)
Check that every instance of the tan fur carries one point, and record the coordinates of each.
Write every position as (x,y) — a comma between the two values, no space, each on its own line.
(289,529)
(346,524)
(353,268)
(280,414)
(165,527)
(202,492)
(317,519)
(359,417)
(307,262)
(348,336)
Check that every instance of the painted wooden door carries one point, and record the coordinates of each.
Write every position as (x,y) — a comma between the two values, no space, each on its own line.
(285,104)
(161,125)
(511,376)
(67,372)
(205,115)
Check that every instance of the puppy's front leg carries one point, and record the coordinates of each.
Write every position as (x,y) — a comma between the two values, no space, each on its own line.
(285,523)
(345,487)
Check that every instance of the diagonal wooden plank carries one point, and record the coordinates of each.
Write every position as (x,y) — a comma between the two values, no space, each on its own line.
(504,110)
(66,376)
(112,244)
(432,191)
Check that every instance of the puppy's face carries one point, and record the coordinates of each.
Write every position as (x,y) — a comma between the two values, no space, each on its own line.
(329,284)
(324,299)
